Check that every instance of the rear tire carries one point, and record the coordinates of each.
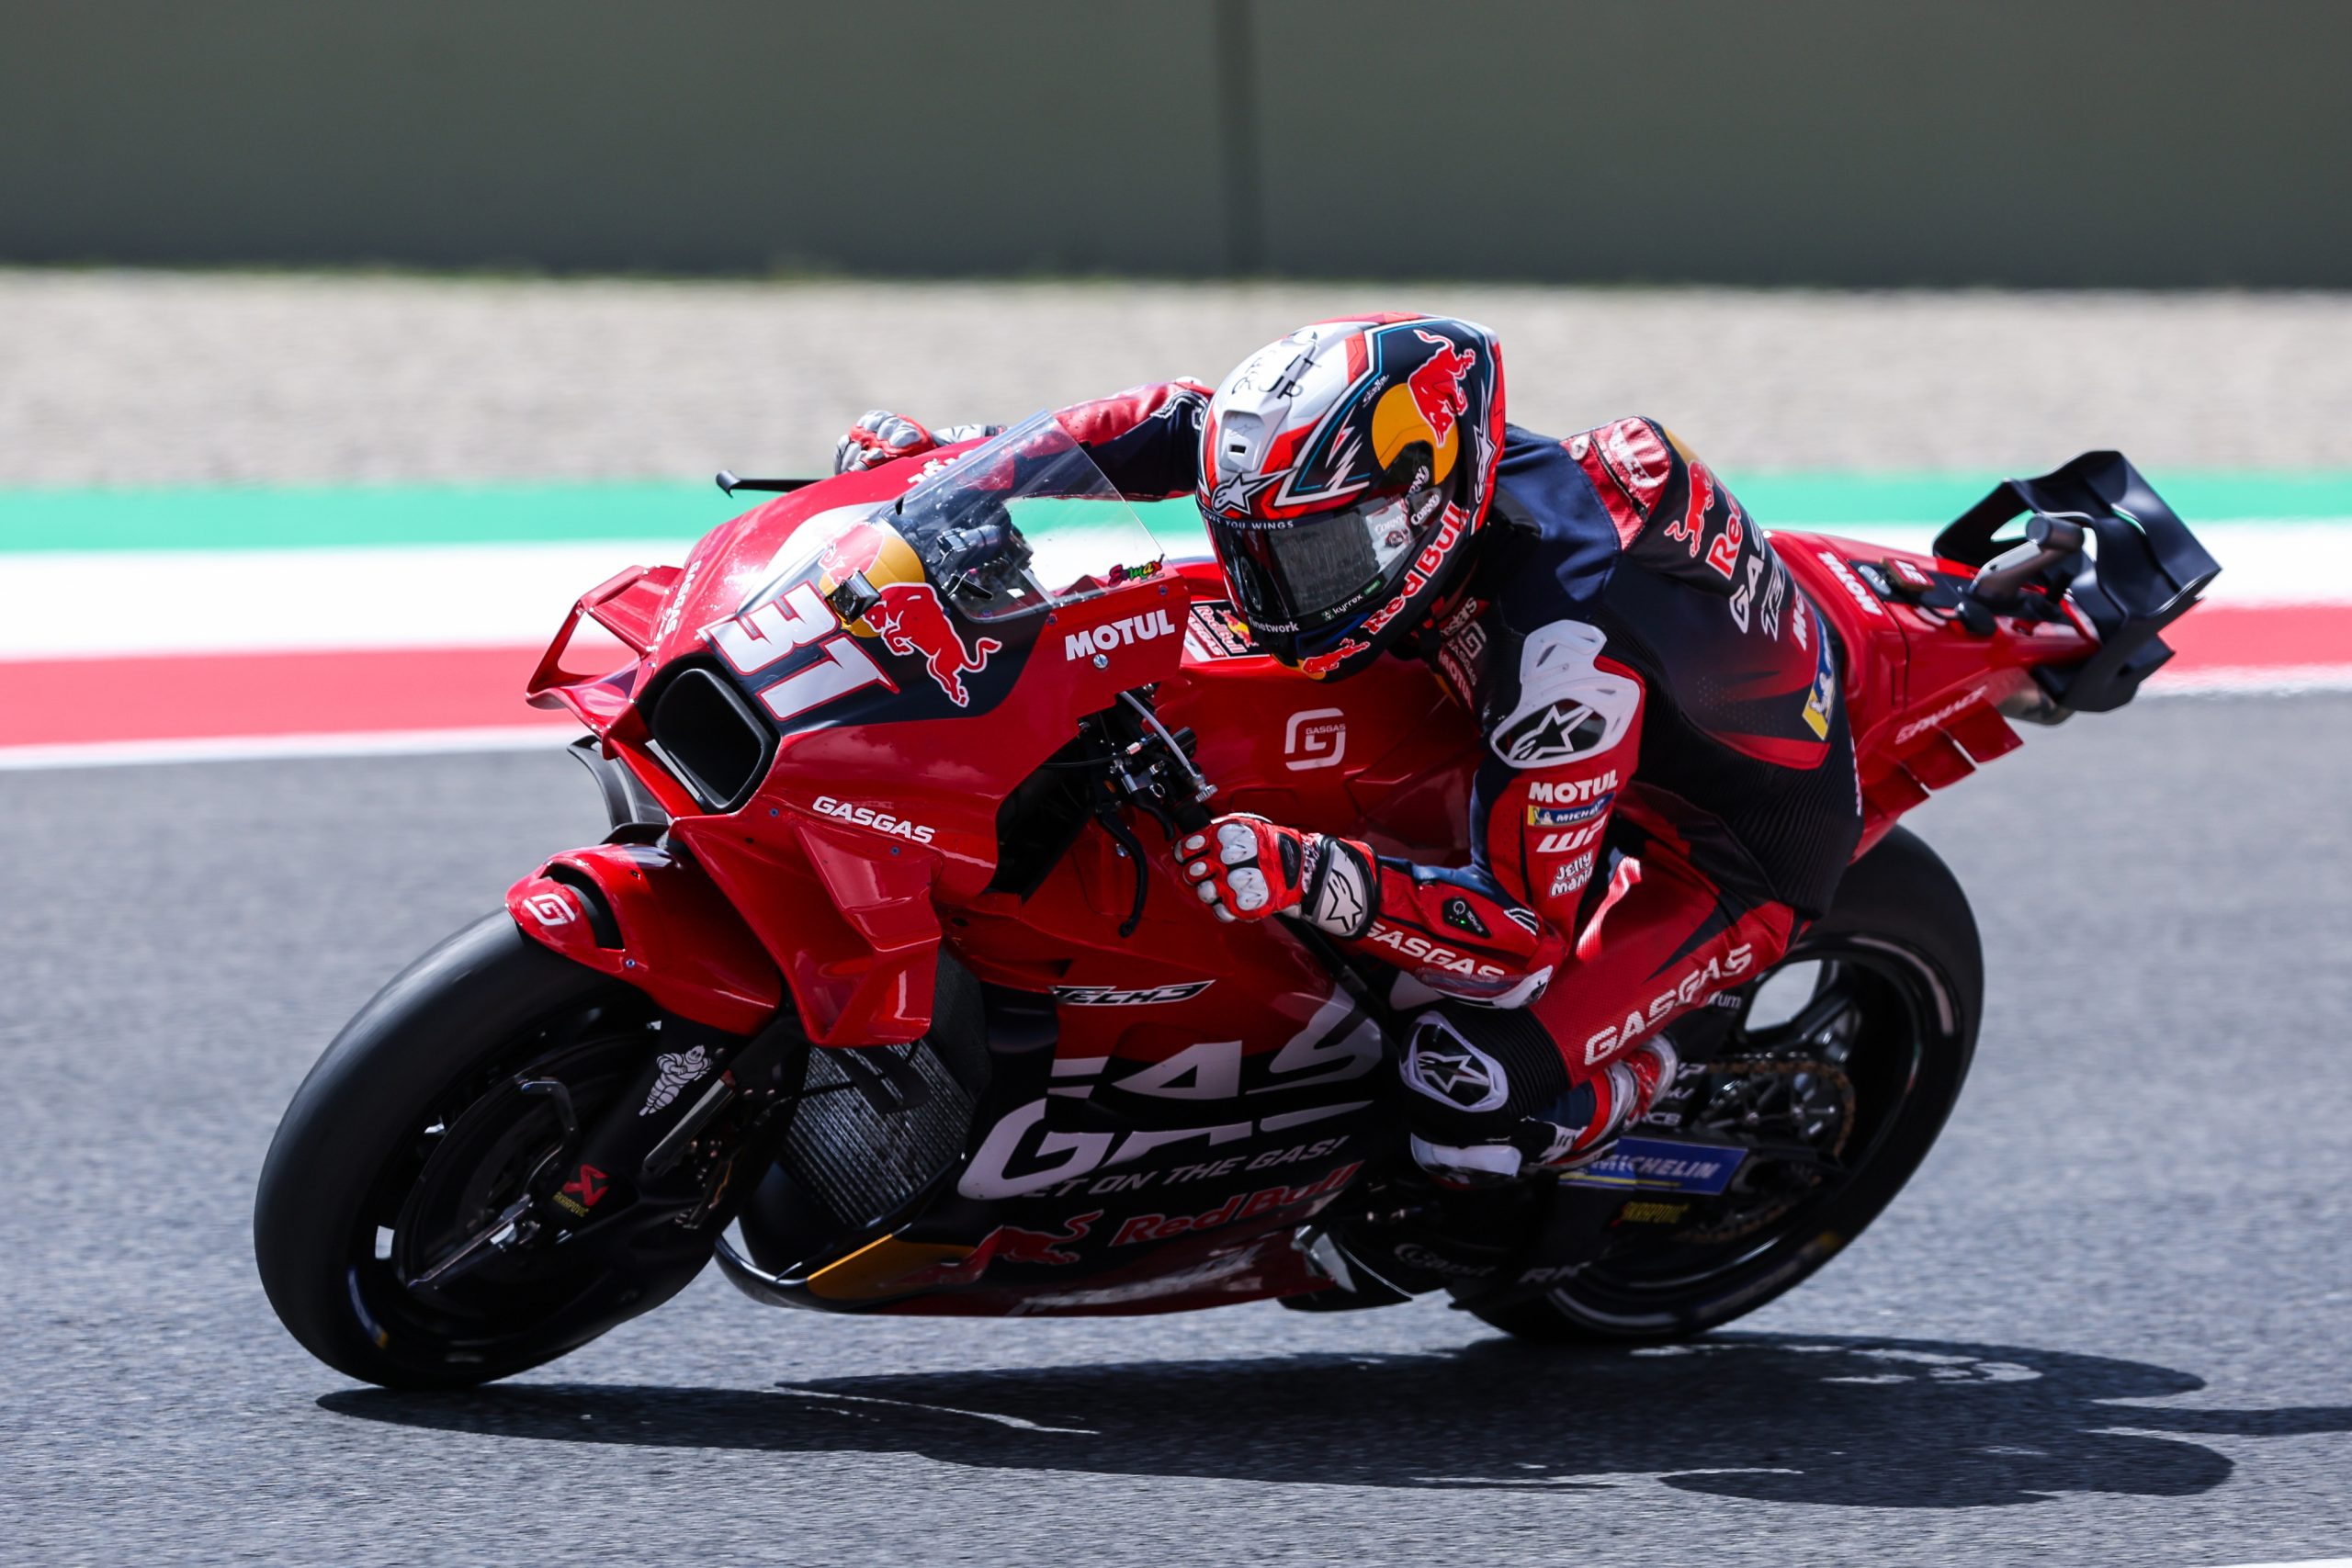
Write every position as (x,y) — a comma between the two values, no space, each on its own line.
(1902,933)
(348,1173)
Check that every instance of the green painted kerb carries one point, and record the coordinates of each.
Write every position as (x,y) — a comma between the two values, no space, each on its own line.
(208,518)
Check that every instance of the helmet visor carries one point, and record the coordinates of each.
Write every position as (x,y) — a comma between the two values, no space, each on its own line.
(1306,575)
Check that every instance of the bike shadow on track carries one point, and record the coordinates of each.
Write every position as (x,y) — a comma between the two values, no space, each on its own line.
(1825,1419)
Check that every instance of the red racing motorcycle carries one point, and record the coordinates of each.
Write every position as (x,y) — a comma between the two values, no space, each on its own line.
(884,991)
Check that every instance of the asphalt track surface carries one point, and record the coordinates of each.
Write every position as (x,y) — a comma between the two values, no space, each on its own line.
(2111,1322)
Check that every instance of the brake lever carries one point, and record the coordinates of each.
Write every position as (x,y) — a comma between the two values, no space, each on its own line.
(1124,837)
(1157,781)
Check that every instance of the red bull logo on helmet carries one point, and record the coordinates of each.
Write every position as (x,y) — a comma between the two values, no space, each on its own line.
(1426,408)
(1436,387)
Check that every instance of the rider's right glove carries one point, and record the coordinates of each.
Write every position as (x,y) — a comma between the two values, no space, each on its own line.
(881,437)
(1246,868)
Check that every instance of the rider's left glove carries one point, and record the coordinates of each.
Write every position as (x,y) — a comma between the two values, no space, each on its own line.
(881,437)
(1246,868)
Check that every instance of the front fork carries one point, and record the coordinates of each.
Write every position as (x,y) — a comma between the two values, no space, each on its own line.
(671,1142)
(653,1177)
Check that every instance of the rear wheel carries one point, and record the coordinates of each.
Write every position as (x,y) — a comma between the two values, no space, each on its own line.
(1843,1063)
(391,1223)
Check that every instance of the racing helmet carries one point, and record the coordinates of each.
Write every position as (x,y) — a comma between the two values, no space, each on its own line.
(1343,471)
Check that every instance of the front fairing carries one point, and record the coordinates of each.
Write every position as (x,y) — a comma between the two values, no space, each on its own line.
(840,687)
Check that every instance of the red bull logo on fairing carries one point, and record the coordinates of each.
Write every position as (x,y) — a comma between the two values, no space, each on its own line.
(906,614)
(1007,1243)
(911,621)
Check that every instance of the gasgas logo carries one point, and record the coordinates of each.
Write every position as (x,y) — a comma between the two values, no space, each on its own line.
(1149,627)
(1703,980)
(1420,950)
(872,816)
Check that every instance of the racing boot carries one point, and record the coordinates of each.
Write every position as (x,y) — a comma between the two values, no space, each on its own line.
(1490,1100)
(1599,1110)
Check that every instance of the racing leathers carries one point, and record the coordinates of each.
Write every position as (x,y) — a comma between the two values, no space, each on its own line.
(1667,789)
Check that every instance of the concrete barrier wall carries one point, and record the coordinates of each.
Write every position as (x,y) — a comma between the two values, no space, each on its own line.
(1933,142)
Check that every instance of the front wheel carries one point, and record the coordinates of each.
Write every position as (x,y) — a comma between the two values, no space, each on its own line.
(1847,1057)
(415,1140)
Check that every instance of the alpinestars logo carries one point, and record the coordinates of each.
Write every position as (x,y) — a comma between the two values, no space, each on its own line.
(1568,708)
(676,1070)
(1339,887)
(1448,1069)
(1559,732)
(1233,497)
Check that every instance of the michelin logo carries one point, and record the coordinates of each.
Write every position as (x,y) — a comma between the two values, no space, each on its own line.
(675,1070)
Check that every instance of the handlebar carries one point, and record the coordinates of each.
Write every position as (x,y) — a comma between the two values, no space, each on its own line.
(1154,774)
(2050,541)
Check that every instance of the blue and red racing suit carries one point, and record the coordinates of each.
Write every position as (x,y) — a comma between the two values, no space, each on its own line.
(1667,789)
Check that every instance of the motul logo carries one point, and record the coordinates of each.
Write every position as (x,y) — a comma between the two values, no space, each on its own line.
(1118,634)
(1571,794)
(1845,580)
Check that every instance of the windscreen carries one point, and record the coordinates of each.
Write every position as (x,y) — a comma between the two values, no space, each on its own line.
(1011,527)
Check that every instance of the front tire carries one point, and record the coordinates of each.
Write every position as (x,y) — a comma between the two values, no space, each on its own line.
(410,1129)
(1900,949)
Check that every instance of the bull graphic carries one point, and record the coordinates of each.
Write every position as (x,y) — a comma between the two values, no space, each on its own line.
(1436,386)
(1010,1243)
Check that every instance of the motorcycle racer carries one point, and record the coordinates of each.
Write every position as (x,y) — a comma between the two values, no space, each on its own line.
(1668,790)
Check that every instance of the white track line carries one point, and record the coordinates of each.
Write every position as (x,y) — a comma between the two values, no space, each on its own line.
(2250,680)
(116,604)
(103,604)
(250,748)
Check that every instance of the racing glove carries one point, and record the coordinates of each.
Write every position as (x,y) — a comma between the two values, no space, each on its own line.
(881,437)
(1246,868)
